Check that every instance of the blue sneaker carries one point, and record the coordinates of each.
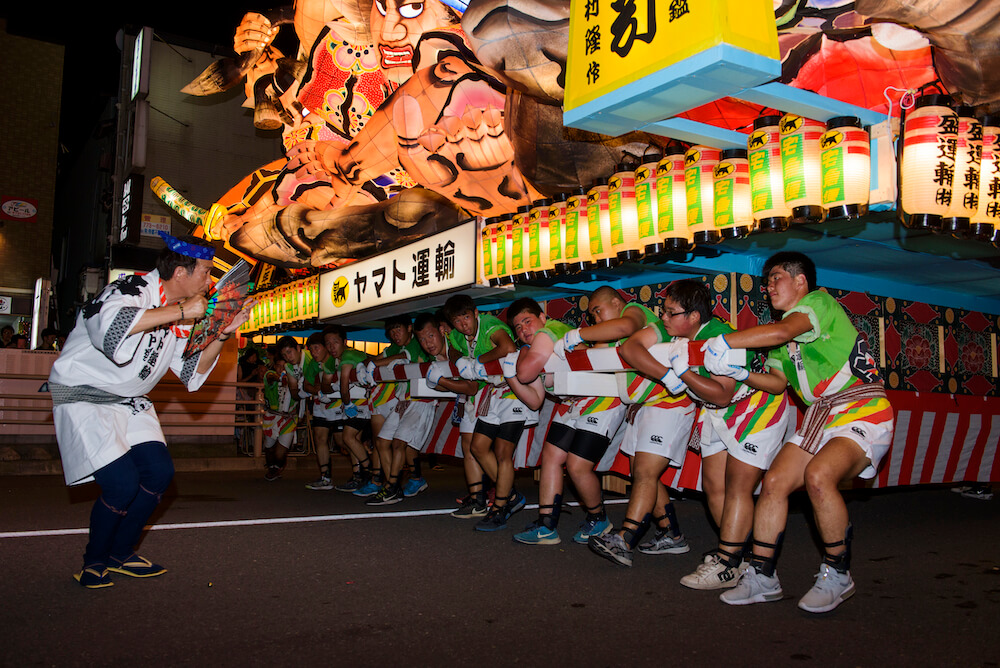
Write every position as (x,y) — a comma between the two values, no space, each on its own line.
(590,528)
(414,486)
(495,520)
(537,533)
(370,488)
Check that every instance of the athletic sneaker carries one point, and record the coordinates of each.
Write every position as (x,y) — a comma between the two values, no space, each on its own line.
(136,567)
(515,504)
(351,485)
(612,547)
(386,496)
(414,486)
(713,573)
(981,492)
(831,589)
(322,483)
(537,533)
(470,508)
(370,488)
(95,576)
(590,528)
(272,474)
(663,543)
(495,520)
(753,587)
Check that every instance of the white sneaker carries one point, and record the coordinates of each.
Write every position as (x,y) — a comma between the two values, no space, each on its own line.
(713,573)
(753,587)
(831,589)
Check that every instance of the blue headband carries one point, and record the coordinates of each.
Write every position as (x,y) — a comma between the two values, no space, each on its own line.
(184,248)
(458,5)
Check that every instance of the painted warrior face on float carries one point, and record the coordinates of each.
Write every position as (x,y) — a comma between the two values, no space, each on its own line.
(396,26)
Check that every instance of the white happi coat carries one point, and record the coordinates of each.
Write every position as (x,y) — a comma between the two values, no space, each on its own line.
(100,353)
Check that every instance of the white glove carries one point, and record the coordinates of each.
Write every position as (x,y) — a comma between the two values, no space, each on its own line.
(364,373)
(396,362)
(716,349)
(559,350)
(467,368)
(673,384)
(679,357)
(436,372)
(571,340)
(303,394)
(509,364)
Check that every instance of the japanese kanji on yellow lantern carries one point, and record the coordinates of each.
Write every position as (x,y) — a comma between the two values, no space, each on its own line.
(671,202)
(504,247)
(539,265)
(622,213)
(699,168)
(488,245)
(800,164)
(599,221)
(845,157)
(519,244)
(578,257)
(731,202)
(557,233)
(930,135)
(645,207)
(767,181)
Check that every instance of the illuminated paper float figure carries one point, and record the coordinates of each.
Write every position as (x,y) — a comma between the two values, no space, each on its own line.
(845,156)
(965,188)
(928,164)
(767,180)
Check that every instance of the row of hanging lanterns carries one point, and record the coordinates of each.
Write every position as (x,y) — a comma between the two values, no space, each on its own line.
(950,169)
(794,170)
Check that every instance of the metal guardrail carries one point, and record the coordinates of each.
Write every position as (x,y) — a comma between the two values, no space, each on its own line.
(251,409)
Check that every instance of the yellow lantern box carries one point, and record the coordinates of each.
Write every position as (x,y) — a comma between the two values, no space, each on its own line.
(633,63)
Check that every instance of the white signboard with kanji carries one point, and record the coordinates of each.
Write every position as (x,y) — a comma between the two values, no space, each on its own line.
(444,261)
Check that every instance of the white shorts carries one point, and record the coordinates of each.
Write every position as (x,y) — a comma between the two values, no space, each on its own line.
(874,439)
(660,431)
(387,408)
(503,410)
(468,423)
(603,423)
(758,449)
(413,427)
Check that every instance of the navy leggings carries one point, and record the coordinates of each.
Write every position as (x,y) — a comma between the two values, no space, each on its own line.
(131,488)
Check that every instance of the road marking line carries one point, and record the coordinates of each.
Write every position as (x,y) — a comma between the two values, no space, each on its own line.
(271,520)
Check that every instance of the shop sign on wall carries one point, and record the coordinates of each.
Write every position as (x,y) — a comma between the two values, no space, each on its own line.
(444,261)
(153,224)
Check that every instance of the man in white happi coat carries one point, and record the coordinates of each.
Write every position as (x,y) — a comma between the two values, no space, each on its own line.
(123,343)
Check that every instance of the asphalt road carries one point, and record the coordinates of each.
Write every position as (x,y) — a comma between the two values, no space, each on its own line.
(427,590)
